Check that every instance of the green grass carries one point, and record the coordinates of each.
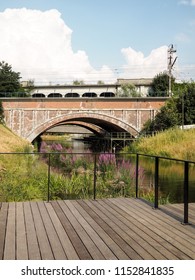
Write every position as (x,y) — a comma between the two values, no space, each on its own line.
(174,143)
(10,142)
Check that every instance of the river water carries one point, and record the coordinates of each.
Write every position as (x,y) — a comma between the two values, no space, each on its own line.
(171,174)
(171,179)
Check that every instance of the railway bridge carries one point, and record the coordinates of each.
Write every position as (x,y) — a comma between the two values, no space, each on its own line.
(30,117)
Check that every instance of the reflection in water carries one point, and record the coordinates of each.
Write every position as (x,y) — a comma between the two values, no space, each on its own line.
(171,179)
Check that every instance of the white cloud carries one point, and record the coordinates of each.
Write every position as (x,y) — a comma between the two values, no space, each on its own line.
(139,66)
(183,2)
(38,45)
(187,2)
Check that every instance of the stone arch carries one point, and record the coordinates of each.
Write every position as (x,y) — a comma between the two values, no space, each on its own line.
(91,127)
(107,94)
(72,94)
(54,95)
(39,95)
(105,121)
(89,94)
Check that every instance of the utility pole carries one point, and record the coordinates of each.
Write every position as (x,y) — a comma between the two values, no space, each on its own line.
(170,64)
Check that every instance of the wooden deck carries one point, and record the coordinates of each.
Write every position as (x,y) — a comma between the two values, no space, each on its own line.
(120,228)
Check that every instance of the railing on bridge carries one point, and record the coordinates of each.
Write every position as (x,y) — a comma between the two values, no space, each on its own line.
(120,135)
(67,175)
(14,94)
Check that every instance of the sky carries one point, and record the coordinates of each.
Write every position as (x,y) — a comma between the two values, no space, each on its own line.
(61,41)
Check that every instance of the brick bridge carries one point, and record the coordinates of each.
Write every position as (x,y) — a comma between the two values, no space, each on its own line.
(30,117)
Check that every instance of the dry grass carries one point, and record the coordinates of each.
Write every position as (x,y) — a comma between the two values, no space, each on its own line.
(10,142)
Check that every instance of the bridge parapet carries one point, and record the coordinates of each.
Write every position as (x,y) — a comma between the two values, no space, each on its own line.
(105,90)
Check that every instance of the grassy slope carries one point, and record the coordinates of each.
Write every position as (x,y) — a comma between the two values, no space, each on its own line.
(10,142)
(173,143)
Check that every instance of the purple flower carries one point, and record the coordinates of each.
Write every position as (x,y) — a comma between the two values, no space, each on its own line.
(56,147)
(43,147)
(107,158)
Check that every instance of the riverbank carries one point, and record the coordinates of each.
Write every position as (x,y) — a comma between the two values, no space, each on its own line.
(174,143)
(10,142)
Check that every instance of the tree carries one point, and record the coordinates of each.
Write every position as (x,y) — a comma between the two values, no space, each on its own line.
(28,86)
(9,80)
(179,110)
(166,118)
(100,82)
(160,85)
(185,104)
(78,83)
(128,90)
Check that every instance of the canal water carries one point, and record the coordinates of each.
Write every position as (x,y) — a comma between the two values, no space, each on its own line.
(171,179)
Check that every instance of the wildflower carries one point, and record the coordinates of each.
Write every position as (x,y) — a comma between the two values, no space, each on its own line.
(107,158)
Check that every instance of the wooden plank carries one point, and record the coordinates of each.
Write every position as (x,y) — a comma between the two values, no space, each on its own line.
(32,242)
(192,206)
(132,229)
(87,241)
(21,242)
(54,241)
(44,245)
(3,223)
(112,230)
(105,251)
(132,238)
(10,238)
(64,239)
(154,239)
(186,233)
(73,236)
(152,219)
(120,228)
(178,210)
(116,251)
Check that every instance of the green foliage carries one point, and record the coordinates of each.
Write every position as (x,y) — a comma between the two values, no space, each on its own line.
(25,176)
(9,80)
(174,142)
(22,178)
(29,86)
(160,85)
(167,117)
(185,104)
(78,83)
(178,88)
(128,90)
(177,111)
(100,82)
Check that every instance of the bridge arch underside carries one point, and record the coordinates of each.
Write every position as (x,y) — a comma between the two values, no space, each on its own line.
(97,123)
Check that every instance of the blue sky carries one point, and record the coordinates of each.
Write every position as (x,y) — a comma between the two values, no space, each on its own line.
(109,37)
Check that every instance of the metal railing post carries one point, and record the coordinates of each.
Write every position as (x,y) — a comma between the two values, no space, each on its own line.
(156,179)
(48,177)
(186,191)
(137,175)
(95,176)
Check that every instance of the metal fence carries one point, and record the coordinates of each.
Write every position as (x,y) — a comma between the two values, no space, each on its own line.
(67,175)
